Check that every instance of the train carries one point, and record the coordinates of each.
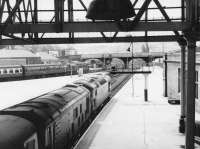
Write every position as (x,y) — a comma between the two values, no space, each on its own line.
(54,119)
(17,72)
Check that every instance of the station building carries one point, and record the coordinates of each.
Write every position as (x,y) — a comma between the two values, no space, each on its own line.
(173,77)
(18,57)
(47,58)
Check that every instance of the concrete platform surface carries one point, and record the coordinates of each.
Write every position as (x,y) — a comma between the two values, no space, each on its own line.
(15,92)
(127,122)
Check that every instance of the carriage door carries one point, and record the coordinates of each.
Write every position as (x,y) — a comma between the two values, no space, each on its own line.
(49,141)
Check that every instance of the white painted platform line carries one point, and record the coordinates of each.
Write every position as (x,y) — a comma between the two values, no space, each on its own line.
(15,92)
(130,123)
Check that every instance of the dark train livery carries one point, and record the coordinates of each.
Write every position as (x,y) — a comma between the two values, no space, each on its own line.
(52,120)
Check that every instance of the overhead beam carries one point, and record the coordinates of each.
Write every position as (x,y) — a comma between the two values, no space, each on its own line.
(9,18)
(171,38)
(94,27)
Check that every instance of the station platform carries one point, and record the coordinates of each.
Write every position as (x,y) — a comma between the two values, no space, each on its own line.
(128,122)
(15,92)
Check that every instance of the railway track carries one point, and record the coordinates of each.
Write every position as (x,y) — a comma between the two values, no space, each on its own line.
(118,87)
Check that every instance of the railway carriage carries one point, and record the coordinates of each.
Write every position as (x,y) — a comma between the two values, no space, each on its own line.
(40,70)
(10,71)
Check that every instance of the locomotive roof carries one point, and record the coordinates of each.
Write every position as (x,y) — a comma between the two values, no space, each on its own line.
(99,78)
(87,83)
(44,109)
(14,137)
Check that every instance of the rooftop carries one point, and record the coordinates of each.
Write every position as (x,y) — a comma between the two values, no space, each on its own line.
(46,56)
(5,53)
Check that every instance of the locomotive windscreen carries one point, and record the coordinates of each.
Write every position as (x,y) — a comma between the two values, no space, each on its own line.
(110,10)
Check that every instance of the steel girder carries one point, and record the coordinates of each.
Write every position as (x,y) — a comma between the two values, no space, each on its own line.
(95,27)
(27,41)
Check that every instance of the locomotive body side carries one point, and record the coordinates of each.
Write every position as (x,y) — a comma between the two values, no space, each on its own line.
(72,116)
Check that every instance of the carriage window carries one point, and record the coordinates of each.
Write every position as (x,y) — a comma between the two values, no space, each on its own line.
(5,71)
(10,71)
(16,71)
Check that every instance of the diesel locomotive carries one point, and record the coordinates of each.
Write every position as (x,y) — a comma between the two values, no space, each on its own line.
(52,120)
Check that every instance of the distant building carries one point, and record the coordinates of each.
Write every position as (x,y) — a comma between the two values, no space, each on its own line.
(18,57)
(54,53)
(173,69)
(47,58)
